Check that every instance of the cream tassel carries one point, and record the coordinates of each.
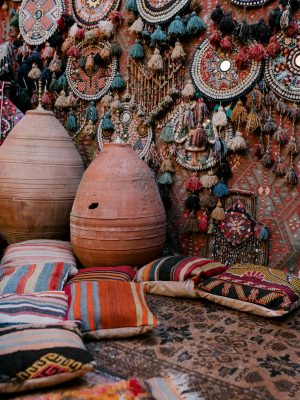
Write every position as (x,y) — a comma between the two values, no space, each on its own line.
(178,53)
(107,28)
(219,118)
(156,62)
(218,213)
(189,90)
(137,26)
(237,143)
(209,180)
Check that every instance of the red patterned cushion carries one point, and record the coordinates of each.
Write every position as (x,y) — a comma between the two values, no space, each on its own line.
(253,288)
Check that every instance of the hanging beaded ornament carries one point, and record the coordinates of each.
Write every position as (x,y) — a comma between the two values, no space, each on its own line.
(157,92)
(159,12)
(90,84)
(89,12)
(129,128)
(238,237)
(282,72)
(249,3)
(10,115)
(193,154)
(6,54)
(38,19)
(216,75)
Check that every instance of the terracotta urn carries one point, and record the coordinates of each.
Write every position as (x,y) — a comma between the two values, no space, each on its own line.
(40,173)
(118,216)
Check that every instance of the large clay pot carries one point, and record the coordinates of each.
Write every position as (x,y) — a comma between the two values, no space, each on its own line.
(40,173)
(117,217)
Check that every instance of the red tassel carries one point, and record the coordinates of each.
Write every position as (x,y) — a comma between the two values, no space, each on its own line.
(135,387)
(61,23)
(273,47)
(257,52)
(116,17)
(80,34)
(226,44)
(203,223)
(73,52)
(241,60)
(215,38)
(292,29)
(193,185)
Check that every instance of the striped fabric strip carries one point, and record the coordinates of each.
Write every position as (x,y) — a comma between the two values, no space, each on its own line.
(179,268)
(44,307)
(39,251)
(109,305)
(33,278)
(122,273)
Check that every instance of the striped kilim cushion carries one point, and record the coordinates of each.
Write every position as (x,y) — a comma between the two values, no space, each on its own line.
(35,308)
(123,273)
(39,251)
(110,308)
(34,356)
(32,278)
(253,288)
(179,268)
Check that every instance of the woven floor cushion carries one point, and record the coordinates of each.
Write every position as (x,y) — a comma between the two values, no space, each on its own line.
(122,273)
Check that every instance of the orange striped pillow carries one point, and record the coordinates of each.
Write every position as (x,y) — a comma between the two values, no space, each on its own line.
(110,309)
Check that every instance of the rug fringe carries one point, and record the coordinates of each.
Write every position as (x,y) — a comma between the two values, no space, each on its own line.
(175,386)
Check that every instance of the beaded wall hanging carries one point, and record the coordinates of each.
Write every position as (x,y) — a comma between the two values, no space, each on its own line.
(10,115)
(127,126)
(38,19)
(6,54)
(282,72)
(159,12)
(239,238)
(249,3)
(89,80)
(216,75)
(156,91)
(88,13)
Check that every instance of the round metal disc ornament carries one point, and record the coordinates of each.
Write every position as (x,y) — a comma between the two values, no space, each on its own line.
(90,85)
(216,75)
(160,11)
(129,128)
(38,20)
(282,72)
(88,13)
(249,3)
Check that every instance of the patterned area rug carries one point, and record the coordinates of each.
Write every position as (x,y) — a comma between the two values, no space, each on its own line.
(227,354)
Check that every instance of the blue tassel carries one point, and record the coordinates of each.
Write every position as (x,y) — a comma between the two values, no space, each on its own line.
(220,147)
(262,86)
(177,28)
(264,233)
(270,125)
(167,134)
(220,189)
(106,123)
(91,113)
(158,35)
(118,82)
(71,124)
(46,75)
(136,52)
(195,25)
(165,179)
(216,108)
(62,83)
(131,5)
(35,57)
(228,112)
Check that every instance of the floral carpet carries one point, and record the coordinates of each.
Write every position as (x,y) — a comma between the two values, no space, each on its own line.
(228,355)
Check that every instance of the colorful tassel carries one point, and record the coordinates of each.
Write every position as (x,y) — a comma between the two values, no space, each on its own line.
(106,100)
(118,82)
(136,52)
(253,121)
(192,202)
(177,29)
(267,160)
(71,124)
(279,168)
(167,166)
(195,25)
(73,52)
(61,101)
(189,90)
(217,14)
(226,44)
(215,38)
(203,223)
(158,36)
(292,147)
(131,5)
(237,143)
(219,118)
(91,113)
(62,83)
(291,177)
(156,62)
(193,185)
(167,134)
(192,224)
(207,200)
(220,189)
(47,53)
(209,180)
(107,28)
(178,53)
(239,114)
(257,52)
(269,126)
(263,233)
(280,135)
(218,213)
(35,72)
(137,27)
(106,123)
(241,60)
(115,50)
(165,179)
